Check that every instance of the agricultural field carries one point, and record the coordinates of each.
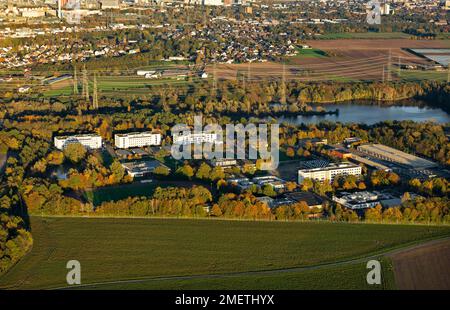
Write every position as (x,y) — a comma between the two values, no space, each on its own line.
(343,277)
(113,249)
(425,267)
(110,85)
(341,60)
(364,35)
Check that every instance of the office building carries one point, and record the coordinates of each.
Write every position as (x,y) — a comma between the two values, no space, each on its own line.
(90,141)
(136,139)
(194,138)
(329,172)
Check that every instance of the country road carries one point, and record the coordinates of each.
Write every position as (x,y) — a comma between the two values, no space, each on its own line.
(411,248)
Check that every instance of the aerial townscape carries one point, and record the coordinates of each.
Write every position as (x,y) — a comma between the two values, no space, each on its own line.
(103,161)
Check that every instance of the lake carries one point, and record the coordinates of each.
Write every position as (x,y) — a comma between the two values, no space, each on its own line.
(371,113)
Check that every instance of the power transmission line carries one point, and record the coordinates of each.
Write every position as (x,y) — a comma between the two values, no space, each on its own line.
(95,94)
(75,81)
(85,84)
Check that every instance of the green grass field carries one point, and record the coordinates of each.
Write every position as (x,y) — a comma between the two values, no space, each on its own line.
(99,195)
(118,249)
(418,75)
(310,53)
(346,277)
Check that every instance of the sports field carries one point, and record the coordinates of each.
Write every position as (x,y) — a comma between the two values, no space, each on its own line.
(113,193)
(125,249)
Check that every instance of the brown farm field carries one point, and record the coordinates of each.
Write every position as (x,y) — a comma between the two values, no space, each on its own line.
(423,267)
(344,60)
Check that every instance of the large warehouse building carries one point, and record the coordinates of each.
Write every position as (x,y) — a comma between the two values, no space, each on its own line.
(90,141)
(393,155)
(136,139)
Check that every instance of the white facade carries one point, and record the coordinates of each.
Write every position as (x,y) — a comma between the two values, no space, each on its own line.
(329,172)
(212,2)
(90,141)
(137,139)
(194,138)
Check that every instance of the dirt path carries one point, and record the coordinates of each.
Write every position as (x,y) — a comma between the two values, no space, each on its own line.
(423,267)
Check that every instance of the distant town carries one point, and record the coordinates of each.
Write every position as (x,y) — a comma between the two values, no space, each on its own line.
(224,144)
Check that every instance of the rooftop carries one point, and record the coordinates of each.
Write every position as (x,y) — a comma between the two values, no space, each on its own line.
(396,155)
(133,134)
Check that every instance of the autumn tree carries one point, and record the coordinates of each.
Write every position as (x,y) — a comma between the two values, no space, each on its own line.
(75,152)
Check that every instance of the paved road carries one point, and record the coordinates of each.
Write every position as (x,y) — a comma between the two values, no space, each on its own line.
(405,248)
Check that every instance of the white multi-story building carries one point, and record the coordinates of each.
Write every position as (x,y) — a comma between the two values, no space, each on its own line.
(90,141)
(137,139)
(194,138)
(329,172)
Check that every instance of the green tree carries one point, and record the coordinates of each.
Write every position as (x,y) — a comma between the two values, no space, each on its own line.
(161,171)
(186,171)
(117,170)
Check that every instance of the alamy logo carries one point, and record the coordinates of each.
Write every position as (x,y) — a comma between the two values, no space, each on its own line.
(208,142)
(74,275)
(374,12)
(374,275)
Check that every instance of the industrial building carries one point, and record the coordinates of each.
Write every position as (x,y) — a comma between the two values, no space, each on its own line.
(275,182)
(366,199)
(329,172)
(90,141)
(393,155)
(311,199)
(370,163)
(141,168)
(136,139)
(244,183)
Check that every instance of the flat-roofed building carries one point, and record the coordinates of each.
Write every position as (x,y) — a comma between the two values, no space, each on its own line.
(223,162)
(393,155)
(194,138)
(329,172)
(370,163)
(136,139)
(142,168)
(311,199)
(110,4)
(90,141)
(366,199)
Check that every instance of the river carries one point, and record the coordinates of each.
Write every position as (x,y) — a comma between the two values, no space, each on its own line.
(371,113)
